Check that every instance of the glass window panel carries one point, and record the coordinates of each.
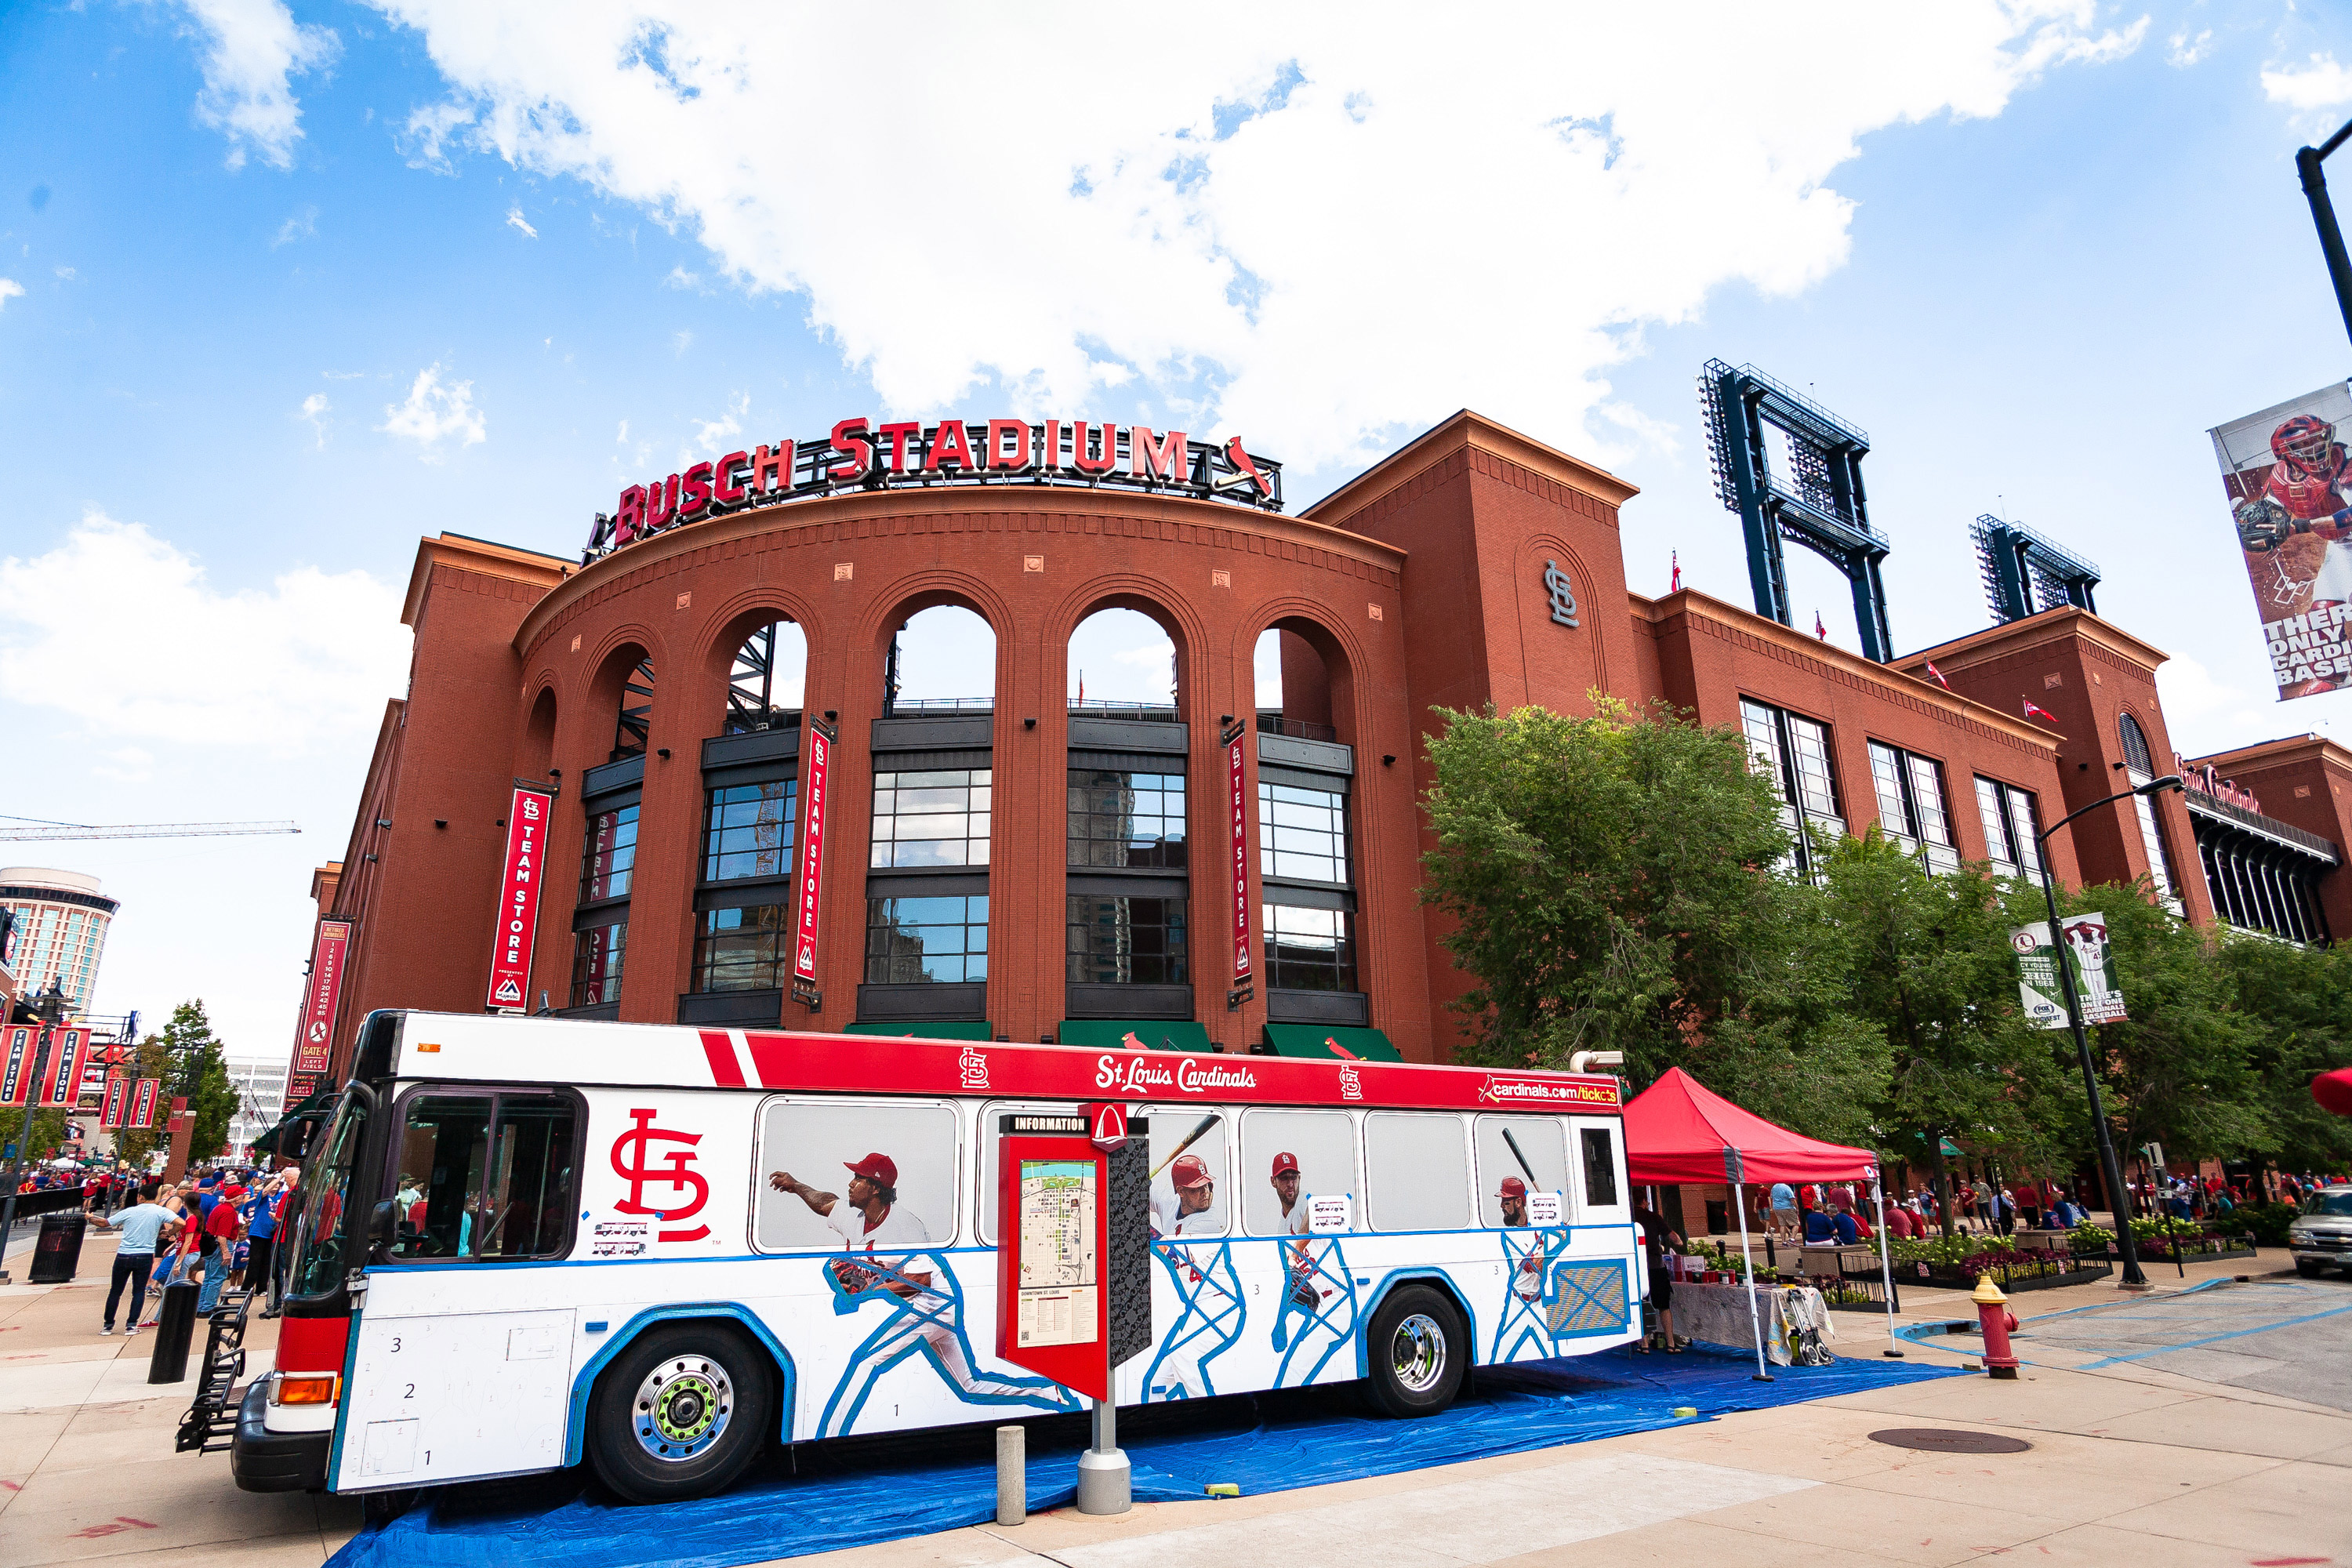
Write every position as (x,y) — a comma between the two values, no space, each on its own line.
(1119,941)
(933,818)
(1809,744)
(1320,1145)
(808,1199)
(747,830)
(1928,799)
(1302,832)
(1886,777)
(1416,1171)
(927,941)
(1308,950)
(2023,826)
(532,1176)
(1197,1209)
(609,855)
(597,954)
(1542,1147)
(444,1143)
(1599,1145)
(743,950)
(1999,847)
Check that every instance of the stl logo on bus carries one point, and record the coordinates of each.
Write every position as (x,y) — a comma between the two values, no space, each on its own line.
(630,1155)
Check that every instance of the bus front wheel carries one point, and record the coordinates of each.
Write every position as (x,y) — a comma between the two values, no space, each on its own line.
(680,1412)
(1419,1348)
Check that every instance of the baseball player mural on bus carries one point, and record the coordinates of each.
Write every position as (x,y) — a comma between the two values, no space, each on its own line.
(889,1269)
(1210,1306)
(1318,1294)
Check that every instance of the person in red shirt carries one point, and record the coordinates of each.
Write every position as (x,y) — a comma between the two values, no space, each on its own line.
(222,1228)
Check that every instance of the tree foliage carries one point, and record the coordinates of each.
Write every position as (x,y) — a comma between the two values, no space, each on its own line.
(199,1070)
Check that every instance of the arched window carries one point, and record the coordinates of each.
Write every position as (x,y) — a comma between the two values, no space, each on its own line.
(636,716)
(763,688)
(2136,752)
(2140,767)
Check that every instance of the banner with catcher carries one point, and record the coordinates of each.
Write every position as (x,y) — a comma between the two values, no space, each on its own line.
(2289,482)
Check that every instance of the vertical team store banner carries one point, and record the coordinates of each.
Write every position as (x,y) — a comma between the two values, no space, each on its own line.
(527,817)
(2289,484)
(314,1043)
(2092,970)
(819,737)
(1235,737)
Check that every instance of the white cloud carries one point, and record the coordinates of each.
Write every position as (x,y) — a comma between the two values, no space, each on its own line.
(680,342)
(306,664)
(434,413)
(623,439)
(9,289)
(65,272)
(304,225)
(253,48)
(313,406)
(714,435)
(430,129)
(2185,51)
(1273,220)
(2321,84)
(516,220)
(680,277)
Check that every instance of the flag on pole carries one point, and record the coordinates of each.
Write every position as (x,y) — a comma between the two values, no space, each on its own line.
(1676,586)
(1820,630)
(1938,676)
(2036,711)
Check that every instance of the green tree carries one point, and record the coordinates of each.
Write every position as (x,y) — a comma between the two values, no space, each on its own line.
(2298,1000)
(199,1070)
(1925,962)
(1615,883)
(136,1143)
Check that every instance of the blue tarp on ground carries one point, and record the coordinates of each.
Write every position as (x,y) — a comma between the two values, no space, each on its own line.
(853,1491)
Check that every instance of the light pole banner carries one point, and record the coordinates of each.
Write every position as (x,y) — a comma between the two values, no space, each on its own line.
(819,739)
(2037,962)
(19,1049)
(64,1086)
(518,900)
(118,1103)
(2289,483)
(329,946)
(1236,741)
(143,1105)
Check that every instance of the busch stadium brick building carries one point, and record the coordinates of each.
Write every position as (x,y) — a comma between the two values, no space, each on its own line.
(592,798)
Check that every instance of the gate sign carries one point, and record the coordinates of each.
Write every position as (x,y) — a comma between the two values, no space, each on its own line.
(118,1102)
(819,740)
(2092,969)
(518,900)
(17,1048)
(1236,738)
(66,1044)
(143,1104)
(329,948)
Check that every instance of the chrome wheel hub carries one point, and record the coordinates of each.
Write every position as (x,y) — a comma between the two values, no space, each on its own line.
(1417,1353)
(681,1407)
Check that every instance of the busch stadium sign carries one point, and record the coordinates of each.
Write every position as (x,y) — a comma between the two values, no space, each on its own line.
(864,455)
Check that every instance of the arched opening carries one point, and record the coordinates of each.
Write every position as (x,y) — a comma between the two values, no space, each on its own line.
(940,660)
(1294,686)
(2140,767)
(1127,948)
(633,722)
(1310,964)
(536,757)
(610,799)
(743,889)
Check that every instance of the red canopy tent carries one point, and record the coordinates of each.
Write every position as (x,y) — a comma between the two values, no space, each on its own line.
(1677,1129)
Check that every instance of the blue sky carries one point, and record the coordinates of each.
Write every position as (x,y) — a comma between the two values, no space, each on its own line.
(285,289)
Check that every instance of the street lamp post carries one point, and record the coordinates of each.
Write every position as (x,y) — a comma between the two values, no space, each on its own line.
(2111,1172)
(2322,218)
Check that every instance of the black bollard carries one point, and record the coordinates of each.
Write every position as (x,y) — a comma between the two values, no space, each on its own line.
(176,1324)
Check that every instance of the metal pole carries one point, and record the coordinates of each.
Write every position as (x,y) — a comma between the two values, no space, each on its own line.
(1886,1269)
(24,1137)
(1755,1321)
(2322,218)
(2109,1170)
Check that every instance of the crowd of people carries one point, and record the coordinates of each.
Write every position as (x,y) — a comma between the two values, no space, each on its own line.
(219,1228)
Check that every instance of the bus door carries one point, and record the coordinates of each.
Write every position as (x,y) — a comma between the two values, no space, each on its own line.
(457,1374)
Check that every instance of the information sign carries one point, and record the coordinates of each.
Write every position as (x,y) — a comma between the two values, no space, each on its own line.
(1051,1311)
(314,1048)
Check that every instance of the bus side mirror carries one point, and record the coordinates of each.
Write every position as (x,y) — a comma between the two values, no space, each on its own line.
(384,1223)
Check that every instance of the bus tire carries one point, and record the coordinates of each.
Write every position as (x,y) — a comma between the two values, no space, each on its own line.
(1419,1351)
(680,1412)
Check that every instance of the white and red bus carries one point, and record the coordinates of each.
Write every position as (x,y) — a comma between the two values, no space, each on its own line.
(528,1243)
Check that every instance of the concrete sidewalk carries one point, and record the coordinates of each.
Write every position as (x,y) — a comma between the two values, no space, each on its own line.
(2131,1462)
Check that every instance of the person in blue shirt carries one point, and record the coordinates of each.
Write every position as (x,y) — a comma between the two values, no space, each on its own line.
(261,1229)
(140,1227)
(1784,1209)
(1848,1233)
(1818,1227)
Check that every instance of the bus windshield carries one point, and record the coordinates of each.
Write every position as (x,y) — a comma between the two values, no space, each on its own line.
(321,1240)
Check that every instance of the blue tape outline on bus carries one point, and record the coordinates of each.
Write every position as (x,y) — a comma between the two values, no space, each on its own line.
(575,1436)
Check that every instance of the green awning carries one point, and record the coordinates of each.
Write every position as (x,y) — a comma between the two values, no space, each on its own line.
(1317,1040)
(929,1030)
(1152,1033)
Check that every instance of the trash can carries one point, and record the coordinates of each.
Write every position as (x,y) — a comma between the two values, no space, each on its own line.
(58,1249)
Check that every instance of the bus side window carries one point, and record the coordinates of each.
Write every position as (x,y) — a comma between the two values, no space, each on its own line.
(1416,1171)
(533,1177)
(484,1176)
(899,1156)
(1531,1150)
(444,1148)
(1188,1190)
(1289,1156)
(1599,1167)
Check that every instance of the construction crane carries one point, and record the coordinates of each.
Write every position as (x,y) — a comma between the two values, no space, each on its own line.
(45,832)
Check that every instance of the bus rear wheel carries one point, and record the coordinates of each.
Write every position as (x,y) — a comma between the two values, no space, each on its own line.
(1418,1348)
(680,1412)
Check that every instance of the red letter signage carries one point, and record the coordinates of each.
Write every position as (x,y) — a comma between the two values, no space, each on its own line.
(518,900)
(65,1064)
(314,1048)
(18,1046)
(820,738)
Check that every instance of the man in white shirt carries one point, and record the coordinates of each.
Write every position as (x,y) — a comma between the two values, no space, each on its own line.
(886,1260)
(1208,1292)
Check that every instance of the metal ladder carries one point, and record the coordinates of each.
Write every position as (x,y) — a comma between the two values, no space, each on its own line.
(211,1420)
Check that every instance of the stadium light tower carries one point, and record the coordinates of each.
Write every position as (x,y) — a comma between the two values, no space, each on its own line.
(2323,216)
